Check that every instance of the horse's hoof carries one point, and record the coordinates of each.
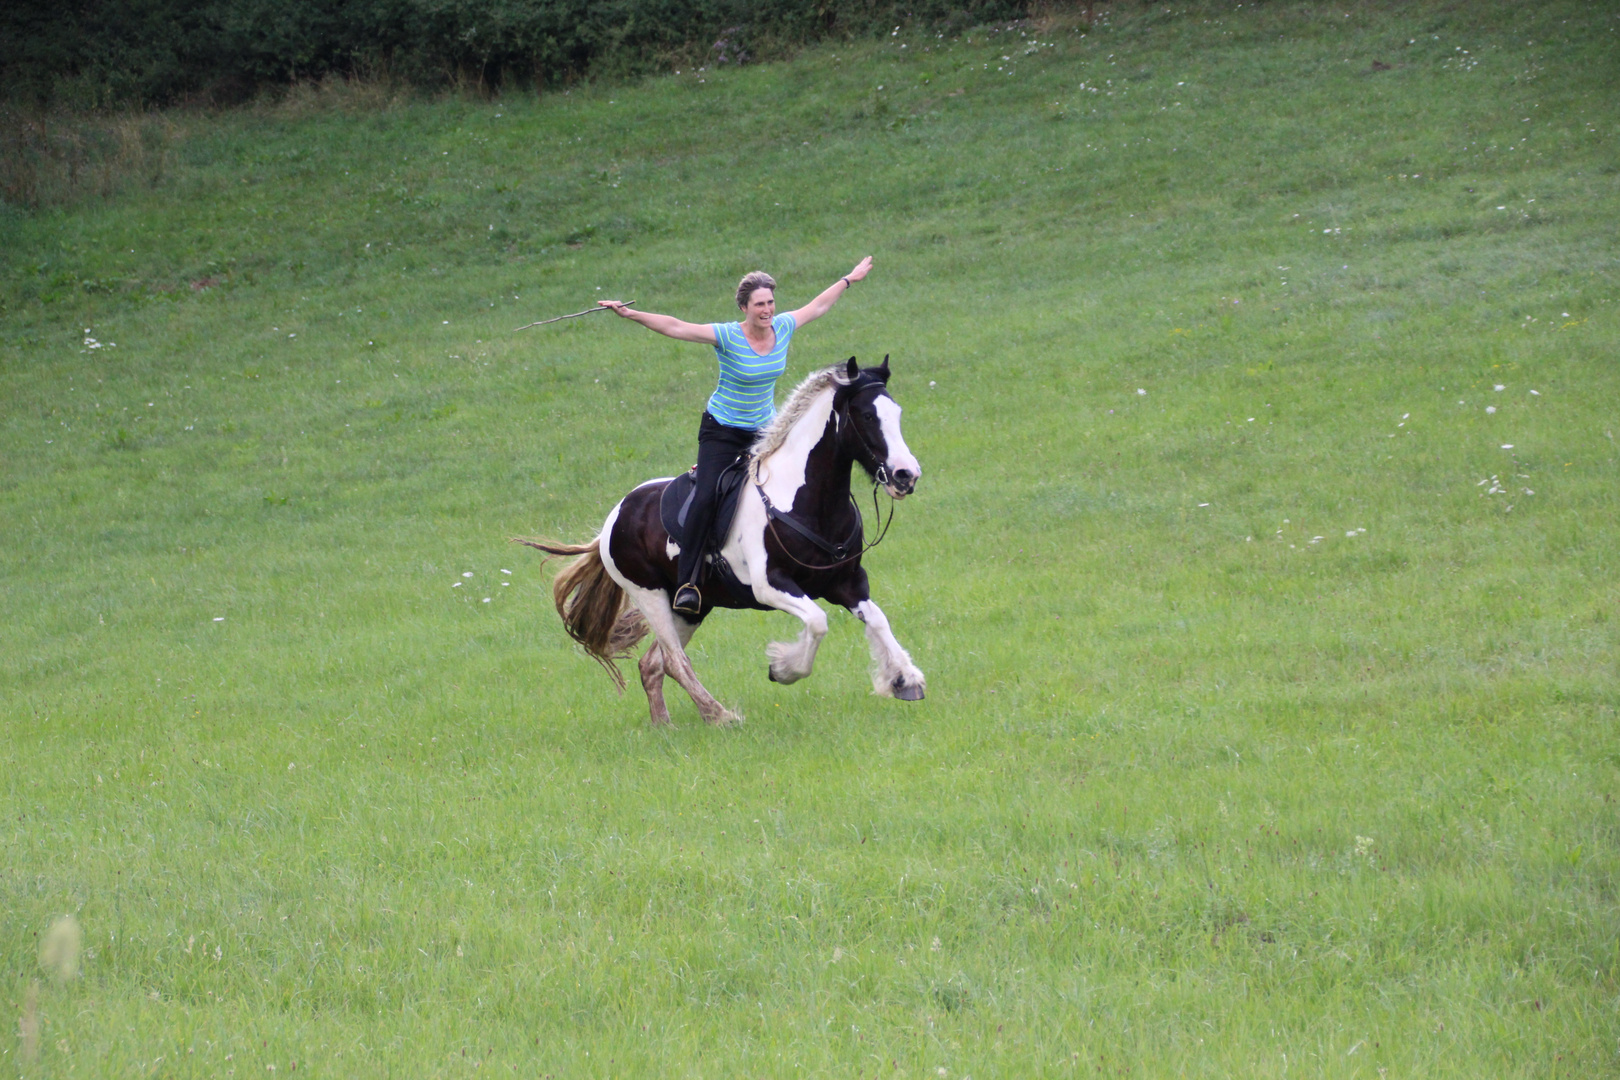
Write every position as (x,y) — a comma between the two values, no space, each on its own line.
(770,673)
(905,691)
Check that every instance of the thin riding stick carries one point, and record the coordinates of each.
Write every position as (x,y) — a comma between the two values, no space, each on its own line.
(575,315)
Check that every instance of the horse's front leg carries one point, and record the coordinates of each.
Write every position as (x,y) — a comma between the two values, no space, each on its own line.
(893,673)
(791,660)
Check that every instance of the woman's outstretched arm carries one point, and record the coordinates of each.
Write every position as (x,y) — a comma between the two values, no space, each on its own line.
(667,325)
(818,307)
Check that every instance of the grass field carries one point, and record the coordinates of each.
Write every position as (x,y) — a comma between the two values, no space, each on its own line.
(1261,361)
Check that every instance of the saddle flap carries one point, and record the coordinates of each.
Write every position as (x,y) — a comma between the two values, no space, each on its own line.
(676,502)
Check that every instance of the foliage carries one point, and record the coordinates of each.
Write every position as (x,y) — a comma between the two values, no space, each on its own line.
(121,52)
(1209,782)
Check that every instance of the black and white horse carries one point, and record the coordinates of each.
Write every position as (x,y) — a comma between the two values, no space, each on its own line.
(794,504)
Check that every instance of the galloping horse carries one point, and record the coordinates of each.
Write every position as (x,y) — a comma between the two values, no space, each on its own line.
(776,553)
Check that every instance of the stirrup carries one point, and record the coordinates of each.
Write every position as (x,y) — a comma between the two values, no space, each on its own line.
(688,601)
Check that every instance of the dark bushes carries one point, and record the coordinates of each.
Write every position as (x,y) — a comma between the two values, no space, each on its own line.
(100,53)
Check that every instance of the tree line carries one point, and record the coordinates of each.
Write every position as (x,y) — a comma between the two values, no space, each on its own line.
(122,53)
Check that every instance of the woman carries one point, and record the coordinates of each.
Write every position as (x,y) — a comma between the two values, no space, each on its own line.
(753,354)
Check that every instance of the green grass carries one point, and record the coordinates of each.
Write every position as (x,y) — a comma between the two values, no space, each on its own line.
(1205,790)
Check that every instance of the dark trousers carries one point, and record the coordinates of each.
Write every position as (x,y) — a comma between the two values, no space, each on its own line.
(718,446)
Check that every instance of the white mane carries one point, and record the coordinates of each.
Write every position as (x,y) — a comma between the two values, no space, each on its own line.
(793,410)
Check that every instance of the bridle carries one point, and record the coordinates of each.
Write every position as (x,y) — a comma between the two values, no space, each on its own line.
(880,470)
(880,477)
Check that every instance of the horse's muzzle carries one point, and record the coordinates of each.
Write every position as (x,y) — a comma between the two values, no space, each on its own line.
(902,482)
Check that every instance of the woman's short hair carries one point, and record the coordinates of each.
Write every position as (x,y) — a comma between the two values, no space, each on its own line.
(758,279)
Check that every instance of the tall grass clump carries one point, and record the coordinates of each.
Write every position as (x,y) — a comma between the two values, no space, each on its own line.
(52,158)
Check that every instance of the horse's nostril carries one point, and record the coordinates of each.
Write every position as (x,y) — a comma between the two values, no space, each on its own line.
(905,476)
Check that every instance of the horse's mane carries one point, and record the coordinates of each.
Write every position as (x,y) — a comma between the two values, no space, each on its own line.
(792,411)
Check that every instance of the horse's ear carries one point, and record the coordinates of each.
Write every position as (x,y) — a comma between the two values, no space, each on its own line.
(852,369)
(882,370)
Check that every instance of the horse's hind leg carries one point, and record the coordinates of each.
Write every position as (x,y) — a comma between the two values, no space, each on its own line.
(672,633)
(893,673)
(651,666)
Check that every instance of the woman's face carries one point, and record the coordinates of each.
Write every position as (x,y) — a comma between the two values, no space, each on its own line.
(761,307)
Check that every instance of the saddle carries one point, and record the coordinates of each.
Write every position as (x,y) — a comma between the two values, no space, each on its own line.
(677,501)
(672,511)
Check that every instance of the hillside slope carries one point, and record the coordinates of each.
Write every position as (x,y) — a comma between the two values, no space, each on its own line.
(1260,362)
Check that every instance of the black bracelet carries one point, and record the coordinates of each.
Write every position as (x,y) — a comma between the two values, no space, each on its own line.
(848,284)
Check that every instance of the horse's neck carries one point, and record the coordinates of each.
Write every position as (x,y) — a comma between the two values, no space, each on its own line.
(809,458)
(827,478)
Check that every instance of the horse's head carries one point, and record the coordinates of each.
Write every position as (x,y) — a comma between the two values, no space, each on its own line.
(872,433)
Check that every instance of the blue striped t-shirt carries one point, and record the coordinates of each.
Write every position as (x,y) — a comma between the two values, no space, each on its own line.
(745,396)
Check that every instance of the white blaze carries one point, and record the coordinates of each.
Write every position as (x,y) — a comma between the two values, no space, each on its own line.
(900,455)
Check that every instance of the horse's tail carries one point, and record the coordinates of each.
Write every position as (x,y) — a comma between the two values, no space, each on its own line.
(594,609)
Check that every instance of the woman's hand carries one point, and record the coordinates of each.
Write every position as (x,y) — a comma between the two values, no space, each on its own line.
(669,326)
(818,307)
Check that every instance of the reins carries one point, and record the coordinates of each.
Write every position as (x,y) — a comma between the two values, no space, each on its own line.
(880,475)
